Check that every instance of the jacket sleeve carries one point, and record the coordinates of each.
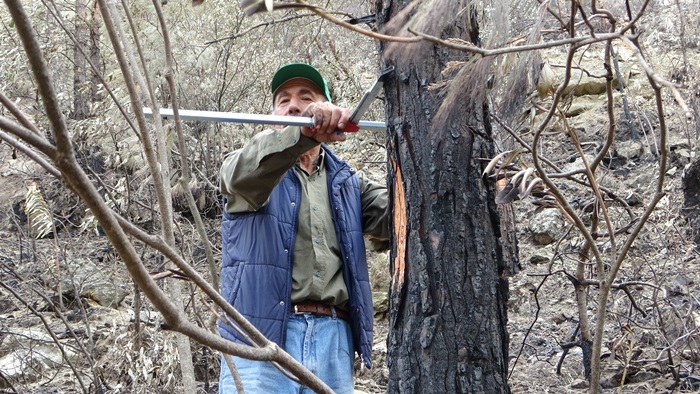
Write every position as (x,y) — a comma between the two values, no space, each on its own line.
(375,208)
(248,175)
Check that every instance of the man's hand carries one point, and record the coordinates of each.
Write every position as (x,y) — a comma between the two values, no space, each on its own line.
(329,120)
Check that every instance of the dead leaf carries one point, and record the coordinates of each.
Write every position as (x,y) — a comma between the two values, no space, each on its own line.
(545,82)
(507,195)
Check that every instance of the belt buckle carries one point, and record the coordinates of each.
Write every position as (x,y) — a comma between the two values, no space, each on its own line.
(297,312)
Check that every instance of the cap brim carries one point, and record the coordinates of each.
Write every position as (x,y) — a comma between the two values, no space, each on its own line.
(299,70)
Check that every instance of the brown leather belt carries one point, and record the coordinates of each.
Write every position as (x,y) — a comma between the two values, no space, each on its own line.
(316,308)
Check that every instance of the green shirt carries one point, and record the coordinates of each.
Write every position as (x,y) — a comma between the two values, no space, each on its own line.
(248,177)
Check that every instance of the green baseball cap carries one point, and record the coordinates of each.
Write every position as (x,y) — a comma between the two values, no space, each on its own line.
(299,70)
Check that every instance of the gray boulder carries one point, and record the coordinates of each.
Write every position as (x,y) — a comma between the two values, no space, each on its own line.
(547,226)
(89,281)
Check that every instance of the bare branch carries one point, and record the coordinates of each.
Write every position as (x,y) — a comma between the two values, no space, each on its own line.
(378,36)
(41,73)
(577,41)
(255,27)
(18,114)
(29,153)
(29,137)
(651,74)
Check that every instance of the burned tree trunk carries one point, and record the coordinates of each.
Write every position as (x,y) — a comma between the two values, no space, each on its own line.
(448,291)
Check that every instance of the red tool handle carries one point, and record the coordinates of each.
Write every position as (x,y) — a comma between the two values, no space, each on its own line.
(351,127)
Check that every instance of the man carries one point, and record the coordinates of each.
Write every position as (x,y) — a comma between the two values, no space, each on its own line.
(293,251)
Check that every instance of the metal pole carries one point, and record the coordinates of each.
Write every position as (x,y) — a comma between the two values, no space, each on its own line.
(233,117)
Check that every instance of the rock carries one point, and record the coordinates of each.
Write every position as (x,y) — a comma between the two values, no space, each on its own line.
(579,384)
(634,199)
(537,259)
(547,226)
(381,304)
(642,376)
(643,180)
(679,286)
(578,107)
(90,282)
(690,383)
(665,385)
(559,318)
(29,355)
(7,305)
(629,150)
(611,379)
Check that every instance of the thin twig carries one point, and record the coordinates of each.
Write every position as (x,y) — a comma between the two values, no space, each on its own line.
(18,114)
(259,25)
(28,136)
(30,154)
(577,41)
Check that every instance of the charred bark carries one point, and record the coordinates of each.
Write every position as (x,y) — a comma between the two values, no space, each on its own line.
(448,293)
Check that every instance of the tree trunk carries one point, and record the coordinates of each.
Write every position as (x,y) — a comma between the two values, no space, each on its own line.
(86,31)
(81,93)
(448,291)
(95,54)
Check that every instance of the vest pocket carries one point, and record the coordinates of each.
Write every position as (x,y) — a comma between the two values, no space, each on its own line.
(231,281)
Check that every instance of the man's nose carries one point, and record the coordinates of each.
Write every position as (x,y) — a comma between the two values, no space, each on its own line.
(294,108)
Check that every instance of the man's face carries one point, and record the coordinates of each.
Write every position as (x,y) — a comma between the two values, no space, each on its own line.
(292,98)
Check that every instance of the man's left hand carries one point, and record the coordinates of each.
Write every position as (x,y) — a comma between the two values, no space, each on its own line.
(329,120)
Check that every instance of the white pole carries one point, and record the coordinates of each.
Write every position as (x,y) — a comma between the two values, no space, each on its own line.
(232,117)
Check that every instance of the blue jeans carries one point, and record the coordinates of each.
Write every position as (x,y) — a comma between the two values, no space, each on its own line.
(322,344)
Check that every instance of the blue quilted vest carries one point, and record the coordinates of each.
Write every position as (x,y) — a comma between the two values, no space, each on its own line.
(256,273)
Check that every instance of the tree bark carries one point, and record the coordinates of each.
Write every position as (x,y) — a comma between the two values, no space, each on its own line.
(86,31)
(95,54)
(448,292)
(81,95)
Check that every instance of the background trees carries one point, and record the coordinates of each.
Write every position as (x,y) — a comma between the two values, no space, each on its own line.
(222,61)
